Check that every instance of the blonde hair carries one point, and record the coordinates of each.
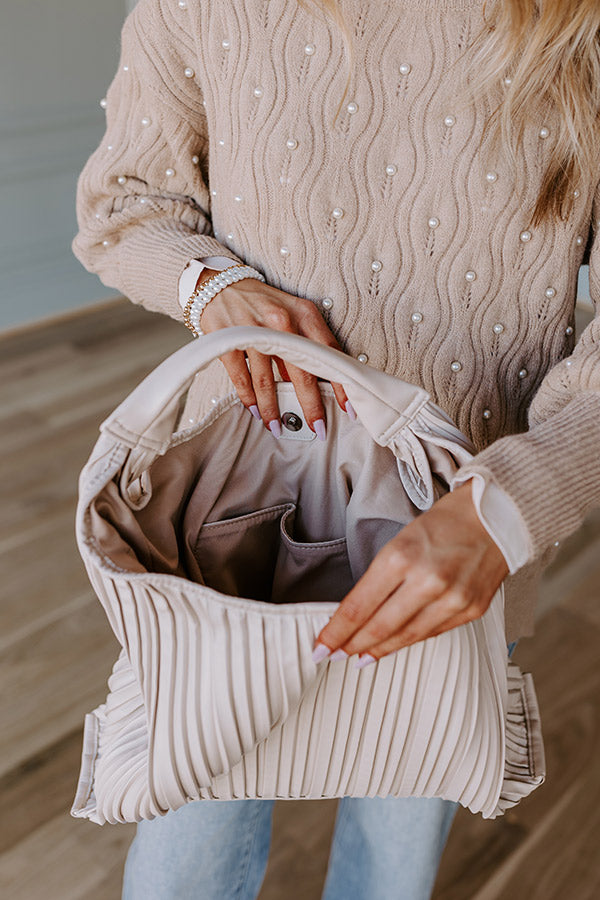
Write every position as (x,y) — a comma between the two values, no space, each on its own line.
(551,51)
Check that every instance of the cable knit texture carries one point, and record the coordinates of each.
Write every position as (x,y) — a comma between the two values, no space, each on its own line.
(220,141)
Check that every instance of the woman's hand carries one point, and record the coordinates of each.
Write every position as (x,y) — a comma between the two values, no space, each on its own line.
(440,571)
(252,302)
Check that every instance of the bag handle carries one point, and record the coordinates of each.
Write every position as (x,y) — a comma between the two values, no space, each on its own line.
(147,417)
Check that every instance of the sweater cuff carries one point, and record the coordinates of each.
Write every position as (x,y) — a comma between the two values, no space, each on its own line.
(155,284)
(535,470)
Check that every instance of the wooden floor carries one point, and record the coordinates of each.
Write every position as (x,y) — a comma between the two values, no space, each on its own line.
(56,651)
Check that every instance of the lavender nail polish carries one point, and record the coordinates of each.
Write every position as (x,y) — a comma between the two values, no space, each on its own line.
(254,410)
(275,428)
(365,659)
(339,654)
(350,410)
(320,652)
(320,429)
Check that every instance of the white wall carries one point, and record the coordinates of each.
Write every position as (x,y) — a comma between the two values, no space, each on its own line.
(57,58)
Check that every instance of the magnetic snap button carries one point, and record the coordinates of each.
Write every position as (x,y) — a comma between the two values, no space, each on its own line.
(291,421)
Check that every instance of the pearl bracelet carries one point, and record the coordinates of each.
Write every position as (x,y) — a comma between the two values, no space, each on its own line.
(204,294)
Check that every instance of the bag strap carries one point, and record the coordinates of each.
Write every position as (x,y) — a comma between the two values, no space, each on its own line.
(147,417)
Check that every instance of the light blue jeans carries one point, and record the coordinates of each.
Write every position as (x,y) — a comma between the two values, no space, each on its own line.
(382,849)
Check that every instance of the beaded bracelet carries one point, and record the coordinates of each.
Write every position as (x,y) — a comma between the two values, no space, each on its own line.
(207,290)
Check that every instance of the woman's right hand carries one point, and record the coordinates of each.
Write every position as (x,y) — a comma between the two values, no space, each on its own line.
(252,302)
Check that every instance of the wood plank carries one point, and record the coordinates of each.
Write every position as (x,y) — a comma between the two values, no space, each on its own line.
(51,678)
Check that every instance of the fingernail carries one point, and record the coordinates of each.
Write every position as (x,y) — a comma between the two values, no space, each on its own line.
(275,427)
(350,410)
(320,429)
(320,652)
(254,410)
(365,659)
(339,654)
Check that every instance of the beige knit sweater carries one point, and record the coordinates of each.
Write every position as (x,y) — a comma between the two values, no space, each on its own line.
(220,141)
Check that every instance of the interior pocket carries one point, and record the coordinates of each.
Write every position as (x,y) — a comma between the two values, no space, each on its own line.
(309,571)
(238,556)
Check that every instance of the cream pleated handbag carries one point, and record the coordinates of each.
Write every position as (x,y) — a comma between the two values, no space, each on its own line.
(219,553)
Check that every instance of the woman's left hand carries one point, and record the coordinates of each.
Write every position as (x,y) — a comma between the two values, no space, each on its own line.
(440,571)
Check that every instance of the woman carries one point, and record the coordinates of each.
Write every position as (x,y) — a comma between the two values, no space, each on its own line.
(416,181)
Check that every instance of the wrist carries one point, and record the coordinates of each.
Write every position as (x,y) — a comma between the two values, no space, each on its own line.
(209,284)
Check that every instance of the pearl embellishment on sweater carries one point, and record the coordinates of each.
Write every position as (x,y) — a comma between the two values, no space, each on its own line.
(405,68)
(195,160)
(544,132)
(433,222)
(579,241)
(417,317)
(507,81)
(103,103)
(569,362)
(569,329)
(523,373)
(487,414)
(498,328)
(237,198)
(221,143)
(169,172)
(213,192)
(309,49)
(352,107)
(550,292)
(230,236)
(106,243)
(284,251)
(576,193)
(121,179)
(525,236)
(470,275)
(146,121)
(377,265)
(449,121)
(491,177)
(226,44)
(258,92)
(456,366)
(337,213)
(327,302)
(391,169)
(188,72)
(362,358)
(182,4)
(291,143)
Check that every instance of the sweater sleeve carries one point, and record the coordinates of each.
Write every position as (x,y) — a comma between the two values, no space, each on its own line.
(143,205)
(552,470)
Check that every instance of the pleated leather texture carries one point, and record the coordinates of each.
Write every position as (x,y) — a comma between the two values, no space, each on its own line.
(215,694)
(426,721)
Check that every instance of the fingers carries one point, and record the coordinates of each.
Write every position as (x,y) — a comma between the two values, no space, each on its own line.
(237,369)
(263,382)
(383,576)
(309,397)
(431,620)
(281,367)
(314,326)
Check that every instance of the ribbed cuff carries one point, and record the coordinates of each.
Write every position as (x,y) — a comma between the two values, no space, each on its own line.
(537,471)
(152,258)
